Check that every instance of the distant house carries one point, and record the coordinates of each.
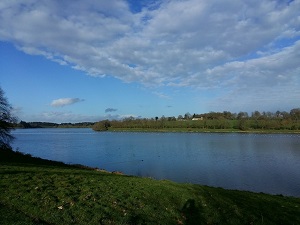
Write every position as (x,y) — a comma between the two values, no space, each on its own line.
(197,118)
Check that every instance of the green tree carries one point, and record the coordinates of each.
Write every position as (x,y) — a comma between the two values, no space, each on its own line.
(102,125)
(187,116)
(180,117)
(242,124)
(227,115)
(6,121)
(242,115)
(171,118)
(295,114)
(256,115)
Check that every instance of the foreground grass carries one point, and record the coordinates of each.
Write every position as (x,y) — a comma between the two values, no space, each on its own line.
(34,191)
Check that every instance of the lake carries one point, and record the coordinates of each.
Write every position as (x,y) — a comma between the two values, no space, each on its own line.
(267,163)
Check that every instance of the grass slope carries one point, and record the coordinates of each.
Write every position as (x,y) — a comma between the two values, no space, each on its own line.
(36,191)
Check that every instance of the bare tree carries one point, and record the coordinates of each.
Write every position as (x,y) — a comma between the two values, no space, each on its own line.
(6,121)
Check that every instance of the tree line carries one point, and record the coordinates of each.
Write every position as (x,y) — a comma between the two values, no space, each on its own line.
(279,120)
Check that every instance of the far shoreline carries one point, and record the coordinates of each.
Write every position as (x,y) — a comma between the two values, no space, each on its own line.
(174,130)
(191,130)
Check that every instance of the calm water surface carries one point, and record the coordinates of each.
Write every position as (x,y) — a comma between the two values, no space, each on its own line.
(267,163)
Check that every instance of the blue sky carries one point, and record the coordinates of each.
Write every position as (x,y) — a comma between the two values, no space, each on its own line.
(75,61)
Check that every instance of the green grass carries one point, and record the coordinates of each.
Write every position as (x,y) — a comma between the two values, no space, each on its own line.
(34,191)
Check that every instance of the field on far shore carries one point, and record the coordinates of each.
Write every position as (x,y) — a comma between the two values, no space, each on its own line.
(200,130)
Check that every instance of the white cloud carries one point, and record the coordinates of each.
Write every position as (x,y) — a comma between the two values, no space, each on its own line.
(65,101)
(276,69)
(205,44)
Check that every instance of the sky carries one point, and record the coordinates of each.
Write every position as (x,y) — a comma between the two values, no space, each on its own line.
(76,61)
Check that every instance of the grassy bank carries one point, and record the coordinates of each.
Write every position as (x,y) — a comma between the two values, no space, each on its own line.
(35,191)
(202,130)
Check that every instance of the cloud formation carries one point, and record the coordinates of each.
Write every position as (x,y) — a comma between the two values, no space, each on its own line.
(225,45)
(65,101)
(110,110)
